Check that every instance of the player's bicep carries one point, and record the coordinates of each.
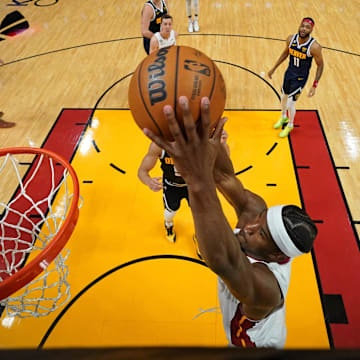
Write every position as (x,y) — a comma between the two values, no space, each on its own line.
(317,55)
(150,159)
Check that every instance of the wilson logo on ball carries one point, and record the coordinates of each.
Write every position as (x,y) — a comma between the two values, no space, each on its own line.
(156,85)
(197,67)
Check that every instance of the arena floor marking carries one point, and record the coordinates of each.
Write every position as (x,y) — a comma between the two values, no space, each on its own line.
(121,221)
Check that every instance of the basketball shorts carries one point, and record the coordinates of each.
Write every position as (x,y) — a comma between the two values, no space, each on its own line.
(172,196)
(293,86)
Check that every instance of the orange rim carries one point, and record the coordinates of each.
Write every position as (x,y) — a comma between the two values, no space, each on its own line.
(41,261)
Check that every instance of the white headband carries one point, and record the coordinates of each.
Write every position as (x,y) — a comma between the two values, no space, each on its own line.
(278,232)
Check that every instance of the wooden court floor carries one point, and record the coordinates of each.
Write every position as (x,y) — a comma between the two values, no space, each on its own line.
(75,63)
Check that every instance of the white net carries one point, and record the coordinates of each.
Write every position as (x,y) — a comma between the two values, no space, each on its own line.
(35,199)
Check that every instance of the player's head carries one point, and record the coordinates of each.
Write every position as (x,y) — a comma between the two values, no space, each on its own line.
(279,233)
(292,229)
(306,27)
(166,24)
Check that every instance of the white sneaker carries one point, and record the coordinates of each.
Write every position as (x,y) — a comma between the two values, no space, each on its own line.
(196,26)
(190,27)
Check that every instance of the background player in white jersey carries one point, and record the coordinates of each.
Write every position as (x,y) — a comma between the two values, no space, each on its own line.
(254,263)
(193,25)
(302,48)
(166,36)
(151,15)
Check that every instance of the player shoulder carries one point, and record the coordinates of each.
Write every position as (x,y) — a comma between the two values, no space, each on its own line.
(288,39)
(315,48)
(147,9)
(316,45)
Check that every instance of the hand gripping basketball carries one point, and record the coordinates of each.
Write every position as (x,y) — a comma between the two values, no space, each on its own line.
(167,74)
(192,150)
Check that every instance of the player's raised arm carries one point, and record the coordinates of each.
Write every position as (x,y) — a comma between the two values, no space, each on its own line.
(195,156)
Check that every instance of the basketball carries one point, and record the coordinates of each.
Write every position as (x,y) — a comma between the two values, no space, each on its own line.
(165,75)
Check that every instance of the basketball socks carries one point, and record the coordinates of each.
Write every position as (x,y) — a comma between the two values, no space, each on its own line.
(292,111)
(169,216)
(196,24)
(190,26)
(169,225)
(283,119)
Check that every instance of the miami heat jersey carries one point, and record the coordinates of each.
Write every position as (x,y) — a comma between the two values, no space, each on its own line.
(171,40)
(244,332)
(300,57)
(170,175)
(158,13)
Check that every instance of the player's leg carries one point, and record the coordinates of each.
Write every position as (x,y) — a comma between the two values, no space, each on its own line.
(284,97)
(171,204)
(196,15)
(292,111)
(146,42)
(296,87)
(188,13)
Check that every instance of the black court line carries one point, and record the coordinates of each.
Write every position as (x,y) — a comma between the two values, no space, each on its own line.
(343,167)
(95,146)
(30,167)
(101,277)
(25,163)
(140,38)
(102,96)
(339,182)
(117,168)
(271,185)
(303,167)
(81,124)
(130,74)
(242,171)
(316,269)
(252,72)
(272,148)
(87,182)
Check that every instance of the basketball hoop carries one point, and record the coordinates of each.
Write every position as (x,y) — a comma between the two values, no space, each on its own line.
(37,217)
